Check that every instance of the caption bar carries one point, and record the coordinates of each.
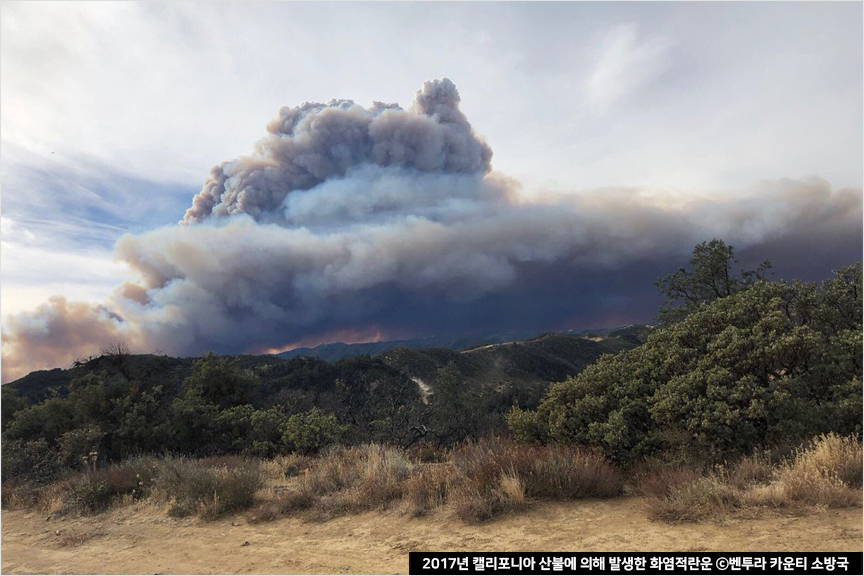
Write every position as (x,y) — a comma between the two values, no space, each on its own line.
(634,563)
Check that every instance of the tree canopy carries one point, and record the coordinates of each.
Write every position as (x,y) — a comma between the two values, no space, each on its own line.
(710,277)
(776,362)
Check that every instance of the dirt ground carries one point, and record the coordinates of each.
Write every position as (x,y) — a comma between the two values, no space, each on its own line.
(142,540)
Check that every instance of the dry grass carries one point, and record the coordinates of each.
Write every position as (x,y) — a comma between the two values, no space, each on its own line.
(425,452)
(472,504)
(701,499)
(836,457)
(662,482)
(429,487)
(496,477)
(20,495)
(551,472)
(754,470)
(285,503)
(368,477)
(209,489)
(478,482)
(286,466)
(826,473)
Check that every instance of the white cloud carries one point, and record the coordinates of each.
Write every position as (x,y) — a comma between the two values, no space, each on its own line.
(33,270)
(626,63)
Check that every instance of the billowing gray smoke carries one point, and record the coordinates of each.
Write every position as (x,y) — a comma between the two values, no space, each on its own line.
(349,223)
(315,142)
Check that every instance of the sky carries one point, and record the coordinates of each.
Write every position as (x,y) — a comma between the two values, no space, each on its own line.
(113,114)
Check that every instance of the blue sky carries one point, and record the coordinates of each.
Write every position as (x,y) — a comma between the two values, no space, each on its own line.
(113,113)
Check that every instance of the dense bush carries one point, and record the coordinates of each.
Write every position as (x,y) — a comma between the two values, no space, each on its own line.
(311,431)
(221,407)
(34,460)
(771,363)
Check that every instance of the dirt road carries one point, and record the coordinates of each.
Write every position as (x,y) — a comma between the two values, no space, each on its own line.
(142,540)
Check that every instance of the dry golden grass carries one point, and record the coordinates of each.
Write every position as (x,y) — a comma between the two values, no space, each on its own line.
(287,466)
(283,504)
(473,504)
(496,477)
(478,482)
(826,473)
(701,499)
(376,475)
(662,482)
(429,487)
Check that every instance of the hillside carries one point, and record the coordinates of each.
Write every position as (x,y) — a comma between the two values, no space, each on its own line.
(340,350)
(122,404)
(548,358)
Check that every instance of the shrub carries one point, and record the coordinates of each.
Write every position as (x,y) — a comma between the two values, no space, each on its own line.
(94,491)
(77,448)
(20,495)
(209,492)
(665,481)
(526,425)
(367,477)
(31,461)
(694,501)
(774,362)
(428,487)
(88,494)
(311,431)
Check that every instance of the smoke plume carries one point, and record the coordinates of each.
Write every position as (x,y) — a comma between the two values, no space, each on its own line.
(312,143)
(391,221)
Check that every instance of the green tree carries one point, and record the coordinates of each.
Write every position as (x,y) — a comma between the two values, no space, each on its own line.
(220,381)
(311,431)
(710,277)
(455,412)
(12,403)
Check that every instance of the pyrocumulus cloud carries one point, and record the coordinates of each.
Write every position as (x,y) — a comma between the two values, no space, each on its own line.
(392,221)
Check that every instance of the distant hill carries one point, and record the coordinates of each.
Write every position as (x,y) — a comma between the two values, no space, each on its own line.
(339,350)
(486,362)
(547,358)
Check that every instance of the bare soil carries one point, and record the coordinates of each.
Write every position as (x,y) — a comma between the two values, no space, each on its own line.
(140,539)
